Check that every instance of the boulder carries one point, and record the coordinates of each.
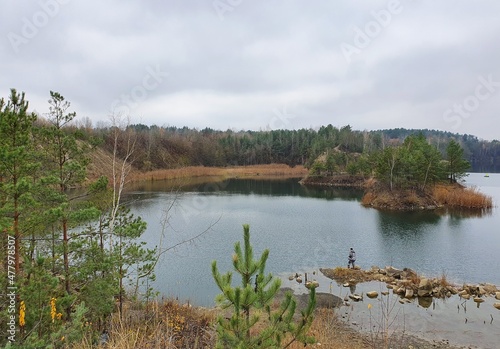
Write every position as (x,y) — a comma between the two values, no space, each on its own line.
(478,300)
(497,305)
(323,300)
(312,284)
(409,293)
(490,288)
(481,291)
(393,272)
(400,290)
(424,288)
(355,297)
(372,294)
(409,274)
(497,295)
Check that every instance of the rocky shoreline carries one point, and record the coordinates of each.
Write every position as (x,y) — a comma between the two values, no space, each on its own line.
(431,312)
(409,285)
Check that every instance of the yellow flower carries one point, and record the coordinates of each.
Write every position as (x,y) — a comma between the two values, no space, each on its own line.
(22,314)
(369,306)
(53,310)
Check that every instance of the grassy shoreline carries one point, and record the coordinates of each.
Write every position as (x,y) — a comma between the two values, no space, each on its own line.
(251,171)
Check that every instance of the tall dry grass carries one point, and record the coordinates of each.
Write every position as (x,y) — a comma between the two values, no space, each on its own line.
(225,172)
(453,196)
(170,325)
(160,325)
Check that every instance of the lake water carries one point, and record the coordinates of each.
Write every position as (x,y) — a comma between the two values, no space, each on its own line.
(308,229)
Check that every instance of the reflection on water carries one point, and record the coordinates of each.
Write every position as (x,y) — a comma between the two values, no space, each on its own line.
(404,222)
(313,227)
(460,213)
(249,186)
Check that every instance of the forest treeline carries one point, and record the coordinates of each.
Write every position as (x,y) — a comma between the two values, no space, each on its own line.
(161,147)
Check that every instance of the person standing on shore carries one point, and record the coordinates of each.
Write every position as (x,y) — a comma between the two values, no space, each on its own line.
(351,259)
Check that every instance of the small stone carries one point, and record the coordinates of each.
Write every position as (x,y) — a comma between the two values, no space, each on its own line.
(409,293)
(372,294)
(497,305)
(355,297)
(478,300)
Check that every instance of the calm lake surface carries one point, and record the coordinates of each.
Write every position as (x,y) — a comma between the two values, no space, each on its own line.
(308,229)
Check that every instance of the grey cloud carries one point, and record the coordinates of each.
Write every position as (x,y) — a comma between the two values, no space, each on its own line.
(261,56)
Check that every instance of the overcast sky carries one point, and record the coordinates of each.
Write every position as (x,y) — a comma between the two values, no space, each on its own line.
(250,64)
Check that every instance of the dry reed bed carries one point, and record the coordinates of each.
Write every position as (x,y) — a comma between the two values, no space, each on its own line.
(452,196)
(441,195)
(227,172)
(165,325)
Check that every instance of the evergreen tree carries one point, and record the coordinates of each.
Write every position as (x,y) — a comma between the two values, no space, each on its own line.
(240,331)
(17,166)
(65,164)
(457,165)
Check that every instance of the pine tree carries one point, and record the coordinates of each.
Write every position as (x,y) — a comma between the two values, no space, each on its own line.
(18,166)
(247,300)
(457,165)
